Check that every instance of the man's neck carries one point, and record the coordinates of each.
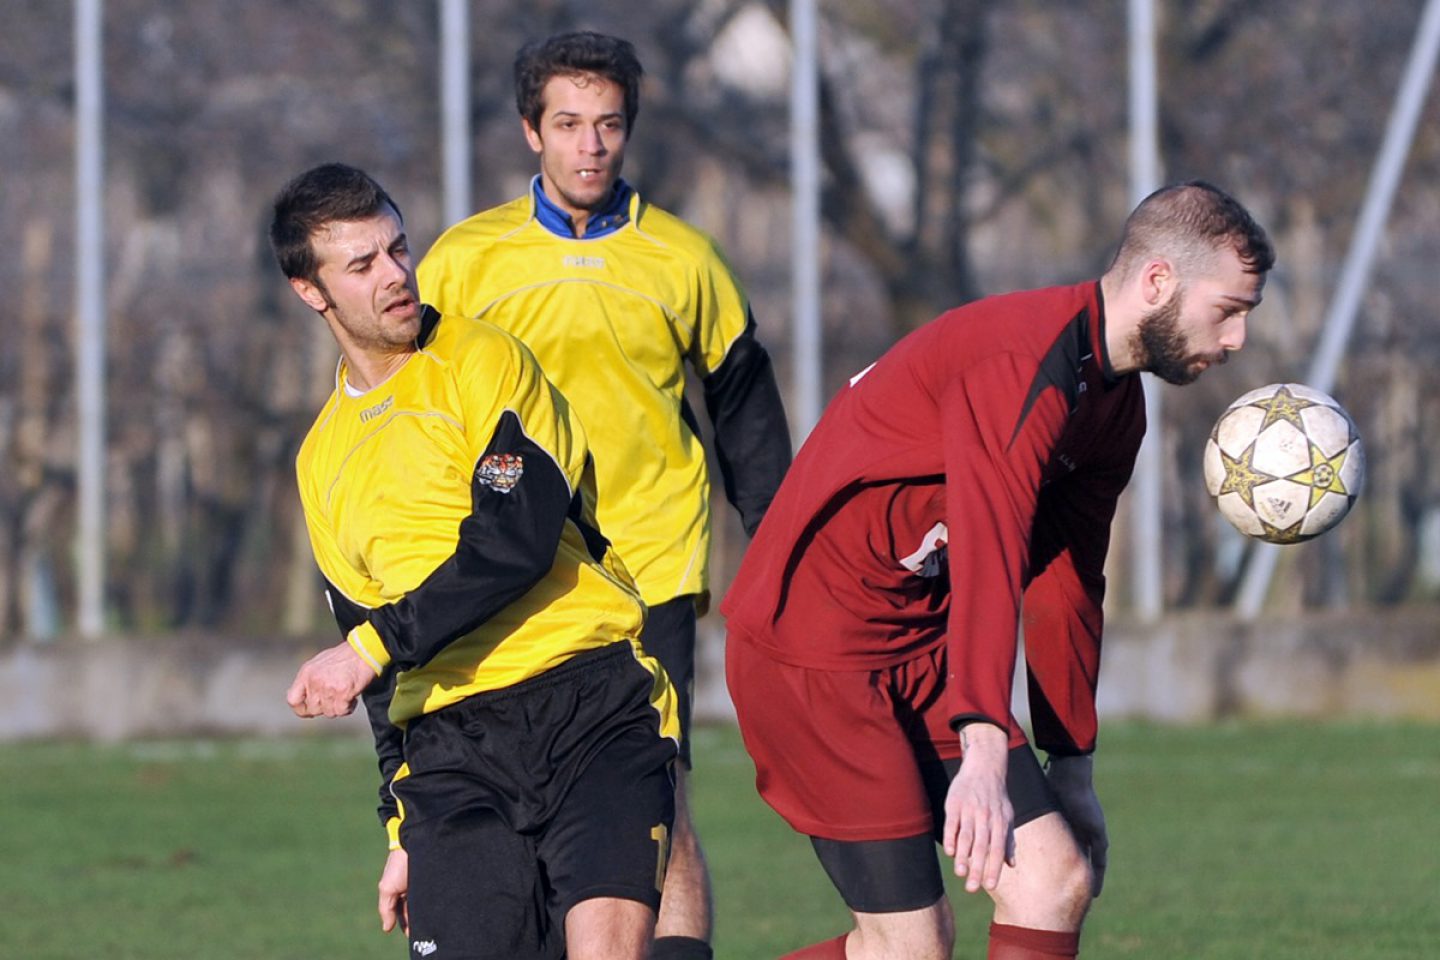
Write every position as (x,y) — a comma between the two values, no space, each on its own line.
(1122,317)
(562,219)
(365,372)
(368,366)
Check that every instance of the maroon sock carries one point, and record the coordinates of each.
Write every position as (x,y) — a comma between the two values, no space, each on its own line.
(828,950)
(1024,943)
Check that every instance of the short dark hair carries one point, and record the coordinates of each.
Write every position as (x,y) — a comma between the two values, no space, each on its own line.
(329,193)
(1189,222)
(573,55)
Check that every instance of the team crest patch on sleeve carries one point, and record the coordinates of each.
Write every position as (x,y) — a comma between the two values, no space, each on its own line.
(500,471)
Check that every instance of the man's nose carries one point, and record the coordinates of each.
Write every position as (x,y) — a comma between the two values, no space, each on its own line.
(1234,337)
(393,271)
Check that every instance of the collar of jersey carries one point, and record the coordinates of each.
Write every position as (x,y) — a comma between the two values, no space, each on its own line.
(603,222)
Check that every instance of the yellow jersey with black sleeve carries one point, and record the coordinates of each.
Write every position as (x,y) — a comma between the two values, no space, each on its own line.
(613,318)
(446,511)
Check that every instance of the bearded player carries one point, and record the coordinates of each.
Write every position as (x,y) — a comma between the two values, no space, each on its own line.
(964,481)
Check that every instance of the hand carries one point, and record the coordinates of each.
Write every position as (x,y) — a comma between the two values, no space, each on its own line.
(978,813)
(394,890)
(1072,780)
(329,683)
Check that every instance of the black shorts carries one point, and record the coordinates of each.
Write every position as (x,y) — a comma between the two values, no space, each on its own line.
(670,638)
(522,802)
(890,876)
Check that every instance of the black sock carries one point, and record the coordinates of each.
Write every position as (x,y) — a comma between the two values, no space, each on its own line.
(681,948)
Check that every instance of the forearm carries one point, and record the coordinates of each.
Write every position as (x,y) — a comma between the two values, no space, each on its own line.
(389,743)
(506,545)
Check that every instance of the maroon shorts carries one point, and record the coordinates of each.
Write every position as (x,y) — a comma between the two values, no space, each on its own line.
(846,755)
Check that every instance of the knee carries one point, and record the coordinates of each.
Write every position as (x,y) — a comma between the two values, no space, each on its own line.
(1074,889)
(1068,889)
(1053,895)
(927,934)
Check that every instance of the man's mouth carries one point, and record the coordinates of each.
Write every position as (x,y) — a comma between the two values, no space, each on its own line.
(401,305)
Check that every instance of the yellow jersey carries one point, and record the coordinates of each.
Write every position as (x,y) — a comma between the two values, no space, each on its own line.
(613,319)
(446,508)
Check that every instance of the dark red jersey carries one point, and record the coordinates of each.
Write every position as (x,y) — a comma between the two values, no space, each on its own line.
(975,465)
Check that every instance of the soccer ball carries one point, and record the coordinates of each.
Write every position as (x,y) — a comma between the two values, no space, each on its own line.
(1284,463)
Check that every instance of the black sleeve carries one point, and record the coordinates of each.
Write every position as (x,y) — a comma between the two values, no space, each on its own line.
(389,739)
(520,499)
(752,438)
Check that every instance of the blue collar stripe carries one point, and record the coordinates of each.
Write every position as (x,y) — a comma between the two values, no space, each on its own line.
(602,222)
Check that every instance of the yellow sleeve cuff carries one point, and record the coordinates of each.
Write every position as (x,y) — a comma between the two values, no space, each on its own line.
(366,642)
(392,830)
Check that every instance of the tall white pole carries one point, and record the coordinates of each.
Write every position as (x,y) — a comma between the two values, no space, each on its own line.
(805,188)
(1147,509)
(90,313)
(455,109)
(1360,260)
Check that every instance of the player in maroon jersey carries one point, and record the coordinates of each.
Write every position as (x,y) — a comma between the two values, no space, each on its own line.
(964,481)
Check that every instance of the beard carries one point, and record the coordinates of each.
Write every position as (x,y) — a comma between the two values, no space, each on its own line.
(1164,348)
(377,331)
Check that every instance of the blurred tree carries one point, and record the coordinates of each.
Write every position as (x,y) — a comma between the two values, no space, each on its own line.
(968,148)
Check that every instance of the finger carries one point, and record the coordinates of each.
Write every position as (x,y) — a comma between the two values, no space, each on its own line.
(964,847)
(295,696)
(306,706)
(999,852)
(338,706)
(981,855)
(387,911)
(950,834)
(976,853)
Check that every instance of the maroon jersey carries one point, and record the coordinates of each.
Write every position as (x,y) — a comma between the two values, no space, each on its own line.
(975,465)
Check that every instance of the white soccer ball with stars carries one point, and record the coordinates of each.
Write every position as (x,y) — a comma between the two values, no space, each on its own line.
(1284,463)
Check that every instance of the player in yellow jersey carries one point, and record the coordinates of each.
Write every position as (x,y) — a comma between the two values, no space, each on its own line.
(616,297)
(447,492)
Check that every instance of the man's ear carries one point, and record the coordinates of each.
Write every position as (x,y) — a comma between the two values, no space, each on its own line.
(1158,281)
(532,136)
(311,293)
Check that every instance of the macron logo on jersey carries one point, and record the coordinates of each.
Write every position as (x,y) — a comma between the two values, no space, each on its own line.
(370,413)
(594,263)
(424,948)
(925,560)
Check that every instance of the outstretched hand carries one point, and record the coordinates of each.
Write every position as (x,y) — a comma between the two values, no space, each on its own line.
(1072,779)
(978,814)
(329,683)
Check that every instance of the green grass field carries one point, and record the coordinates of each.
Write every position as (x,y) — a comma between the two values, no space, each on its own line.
(1239,841)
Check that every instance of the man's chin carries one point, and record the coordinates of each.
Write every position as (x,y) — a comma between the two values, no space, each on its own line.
(403,329)
(1180,376)
(589,195)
